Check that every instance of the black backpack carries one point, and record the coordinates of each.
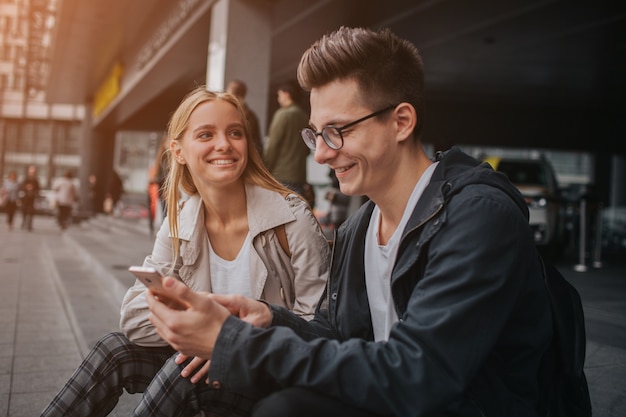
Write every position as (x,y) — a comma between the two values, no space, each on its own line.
(563,381)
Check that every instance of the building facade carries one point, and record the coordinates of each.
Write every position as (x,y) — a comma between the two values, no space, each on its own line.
(32,131)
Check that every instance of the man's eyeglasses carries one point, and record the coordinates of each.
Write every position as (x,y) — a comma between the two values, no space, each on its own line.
(332,134)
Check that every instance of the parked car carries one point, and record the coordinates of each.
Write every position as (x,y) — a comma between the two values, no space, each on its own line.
(536,180)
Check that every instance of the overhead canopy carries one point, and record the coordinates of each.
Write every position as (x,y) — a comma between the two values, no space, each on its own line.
(518,72)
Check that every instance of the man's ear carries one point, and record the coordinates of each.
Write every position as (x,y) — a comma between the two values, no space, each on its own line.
(406,119)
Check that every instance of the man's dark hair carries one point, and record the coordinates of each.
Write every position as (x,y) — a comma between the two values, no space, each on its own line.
(388,69)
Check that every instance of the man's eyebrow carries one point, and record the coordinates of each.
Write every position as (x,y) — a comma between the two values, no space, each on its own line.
(331,123)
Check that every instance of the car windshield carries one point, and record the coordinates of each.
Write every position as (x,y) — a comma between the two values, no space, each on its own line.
(526,173)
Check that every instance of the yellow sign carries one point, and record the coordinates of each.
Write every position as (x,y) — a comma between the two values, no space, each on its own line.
(108,90)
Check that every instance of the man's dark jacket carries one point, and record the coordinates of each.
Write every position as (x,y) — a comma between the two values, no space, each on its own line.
(468,289)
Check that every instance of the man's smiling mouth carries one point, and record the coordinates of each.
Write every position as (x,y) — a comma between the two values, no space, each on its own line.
(343,169)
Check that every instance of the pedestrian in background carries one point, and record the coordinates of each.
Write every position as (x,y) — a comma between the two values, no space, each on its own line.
(114,193)
(66,196)
(157,175)
(92,191)
(285,155)
(239,89)
(29,191)
(9,195)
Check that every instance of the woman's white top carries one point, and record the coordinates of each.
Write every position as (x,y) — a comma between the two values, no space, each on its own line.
(231,277)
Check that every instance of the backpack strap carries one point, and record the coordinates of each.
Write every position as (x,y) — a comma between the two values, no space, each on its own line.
(282,238)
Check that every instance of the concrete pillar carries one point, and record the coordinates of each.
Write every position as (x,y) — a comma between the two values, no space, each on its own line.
(618,181)
(100,162)
(240,47)
(86,150)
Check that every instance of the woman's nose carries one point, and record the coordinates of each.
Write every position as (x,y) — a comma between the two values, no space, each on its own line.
(222,141)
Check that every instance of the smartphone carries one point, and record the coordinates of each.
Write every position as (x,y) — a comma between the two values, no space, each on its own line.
(152,279)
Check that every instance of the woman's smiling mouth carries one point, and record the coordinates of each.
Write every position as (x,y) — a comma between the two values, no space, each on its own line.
(222,162)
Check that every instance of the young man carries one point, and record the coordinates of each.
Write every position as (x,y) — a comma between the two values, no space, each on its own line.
(285,154)
(239,89)
(435,303)
(29,191)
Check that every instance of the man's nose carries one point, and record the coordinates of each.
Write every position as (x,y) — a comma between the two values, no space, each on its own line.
(323,152)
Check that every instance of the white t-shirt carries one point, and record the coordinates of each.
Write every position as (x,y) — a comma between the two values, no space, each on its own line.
(380,259)
(65,192)
(231,277)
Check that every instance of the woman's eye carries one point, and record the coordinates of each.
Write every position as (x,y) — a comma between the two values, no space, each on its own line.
(205,135)
(237,133)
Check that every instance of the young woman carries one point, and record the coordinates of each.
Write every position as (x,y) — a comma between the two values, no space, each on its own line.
(230,228)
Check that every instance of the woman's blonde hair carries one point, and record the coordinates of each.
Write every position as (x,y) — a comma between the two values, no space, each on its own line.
(179,178)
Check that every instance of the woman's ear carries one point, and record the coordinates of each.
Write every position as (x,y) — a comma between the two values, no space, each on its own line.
(406,119)
(176,152)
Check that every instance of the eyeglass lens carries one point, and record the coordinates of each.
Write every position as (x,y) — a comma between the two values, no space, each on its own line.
(330,134)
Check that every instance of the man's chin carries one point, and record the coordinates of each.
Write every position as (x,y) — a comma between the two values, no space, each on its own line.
(349,190)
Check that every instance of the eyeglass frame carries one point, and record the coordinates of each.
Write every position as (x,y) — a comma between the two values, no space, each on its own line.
(329,143)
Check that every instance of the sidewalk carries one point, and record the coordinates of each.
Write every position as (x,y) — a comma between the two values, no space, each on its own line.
(61,291)
(60,294)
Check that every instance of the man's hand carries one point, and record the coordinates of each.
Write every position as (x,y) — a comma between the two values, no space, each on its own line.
(254,312)
(192,331)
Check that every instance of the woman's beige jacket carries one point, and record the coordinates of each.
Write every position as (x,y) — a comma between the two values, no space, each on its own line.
(295,281)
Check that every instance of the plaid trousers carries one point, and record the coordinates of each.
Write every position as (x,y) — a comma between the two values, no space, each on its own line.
(113,364)
(171,395)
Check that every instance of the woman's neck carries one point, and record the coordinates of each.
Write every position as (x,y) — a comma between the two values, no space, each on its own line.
(225,205)
(226,220)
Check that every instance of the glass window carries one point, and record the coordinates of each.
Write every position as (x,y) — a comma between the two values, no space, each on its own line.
(44,137)
(5,52)
(18,81)
(27,137)
(12,135)
(6,27)
(68,138)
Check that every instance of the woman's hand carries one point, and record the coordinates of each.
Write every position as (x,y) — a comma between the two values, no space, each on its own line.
(191,369)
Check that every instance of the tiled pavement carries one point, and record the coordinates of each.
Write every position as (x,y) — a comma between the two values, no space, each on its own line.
(55,301)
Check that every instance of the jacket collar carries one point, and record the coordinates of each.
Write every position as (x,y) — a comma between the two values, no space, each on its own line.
(266,210)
